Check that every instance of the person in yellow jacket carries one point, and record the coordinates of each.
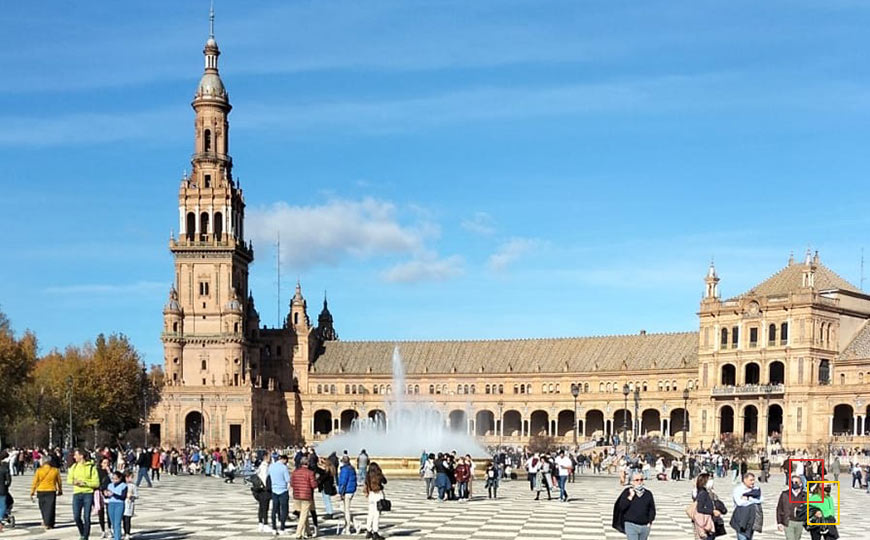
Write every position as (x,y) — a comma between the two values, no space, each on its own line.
(47,488)
(85,479)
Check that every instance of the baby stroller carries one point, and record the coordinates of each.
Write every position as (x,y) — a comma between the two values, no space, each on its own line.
(8,520)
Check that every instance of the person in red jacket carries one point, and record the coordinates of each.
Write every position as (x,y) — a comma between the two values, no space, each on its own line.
(303,483)
(463,473)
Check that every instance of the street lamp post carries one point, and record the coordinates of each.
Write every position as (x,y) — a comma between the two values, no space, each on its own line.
(144,407)
(636,406)
(69,391)
(575,391)
(500,423)
(201,419)
(685,423)
(625,391)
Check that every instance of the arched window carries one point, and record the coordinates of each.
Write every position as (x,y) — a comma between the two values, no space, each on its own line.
(783,333)
(353,389)
(674,385)
(486,389)
(667,386)
(516,389)
(319,389)
(465,389)
(175,327)
(191,226)
(724,338)
(389,389)
(207,141)
(501,389)
(842,378)
(771,335)
(522,389)
(332,389)
(601,387)
(528,389)
(586,387)
(860,378)
(431,388)
(661,386)
(203,223)
(644,386)
(416,388)
(375,389)
(204,365)
(218,224)
(347,389)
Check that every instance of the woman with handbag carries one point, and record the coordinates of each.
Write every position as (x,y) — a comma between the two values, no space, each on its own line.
(708,509)
(374,489)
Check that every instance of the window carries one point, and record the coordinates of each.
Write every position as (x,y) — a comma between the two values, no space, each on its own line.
(704,375)
(236,330)
(375,389)
(501,389)
(175,377)
(800,418)
(203,225)
(486,389)
(279,350)
(207,181)
(204,365)
(783,333)
(824,372)
(586,387)
(347,389)
(332,389)
(203,288)
(771,335)
(800,370)
(601,387)
(207,141)
(753,337)
(190,230)
(522,389)
(724,338)
(472,388)
(175,327)
(528,389)
(735,334)
(431,389)
(842,378)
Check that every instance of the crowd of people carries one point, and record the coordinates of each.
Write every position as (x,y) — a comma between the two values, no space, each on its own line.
(105,484)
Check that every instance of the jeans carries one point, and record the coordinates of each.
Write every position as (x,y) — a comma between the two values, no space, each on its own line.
(263,508)
(793,530)
(430,486)
(563,495)
(2,506)
(463,490)
(143,473)
(280,507)
(116,517)
(745,535)
(633,531)
(82,503)
(327,504)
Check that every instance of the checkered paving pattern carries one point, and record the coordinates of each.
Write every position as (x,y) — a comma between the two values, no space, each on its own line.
(197,508)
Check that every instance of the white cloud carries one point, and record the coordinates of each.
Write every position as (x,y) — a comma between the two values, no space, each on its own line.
(482,224)
(427,267)
(109,288)
(511,250)
(340,228)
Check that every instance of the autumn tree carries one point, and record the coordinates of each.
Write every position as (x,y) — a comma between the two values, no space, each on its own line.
(17,360)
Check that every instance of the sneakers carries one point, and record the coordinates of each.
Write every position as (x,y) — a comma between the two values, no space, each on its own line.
(104,535)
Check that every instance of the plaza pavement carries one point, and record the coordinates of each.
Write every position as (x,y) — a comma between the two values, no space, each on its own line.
(197,508)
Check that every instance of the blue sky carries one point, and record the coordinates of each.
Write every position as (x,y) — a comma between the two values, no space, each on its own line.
(446,169)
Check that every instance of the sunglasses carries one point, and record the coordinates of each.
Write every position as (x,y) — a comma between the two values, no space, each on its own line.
(638,480)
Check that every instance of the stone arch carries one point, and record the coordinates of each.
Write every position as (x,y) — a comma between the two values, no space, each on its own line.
(347,418)
(843,420)
(774,419)
(565,423)
(622,417)
(322,422)
(539,423)
(726,419)
(594,423)
(378,416)
(752,373)
(458,420)
(513,423)
(750,421)
(728,375)
(776,372)
(193,428)
(484,423)
(676,422)
(650,421)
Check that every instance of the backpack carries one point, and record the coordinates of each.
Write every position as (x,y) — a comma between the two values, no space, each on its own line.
(257,485)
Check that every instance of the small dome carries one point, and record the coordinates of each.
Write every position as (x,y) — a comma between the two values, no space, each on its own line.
(211,86)
(211,43)
(172,304)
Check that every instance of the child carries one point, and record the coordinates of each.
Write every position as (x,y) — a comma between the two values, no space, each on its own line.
(129,504)
(230,473)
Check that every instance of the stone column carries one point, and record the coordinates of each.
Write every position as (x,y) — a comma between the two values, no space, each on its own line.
(855,425)
(831,425)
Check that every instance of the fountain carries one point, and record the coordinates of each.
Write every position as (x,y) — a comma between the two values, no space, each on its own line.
(410,427)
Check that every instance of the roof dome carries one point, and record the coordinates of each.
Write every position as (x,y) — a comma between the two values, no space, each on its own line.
(172,304)
(211,86)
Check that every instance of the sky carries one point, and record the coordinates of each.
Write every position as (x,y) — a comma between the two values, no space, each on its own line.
(442,169)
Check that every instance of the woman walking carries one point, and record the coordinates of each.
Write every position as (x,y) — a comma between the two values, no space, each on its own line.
(47,487)
(492,481)
(707,515)
(346,489)
(326,485)
(262,492)
(116,495)
(635,510)
(105,475)
(374,488)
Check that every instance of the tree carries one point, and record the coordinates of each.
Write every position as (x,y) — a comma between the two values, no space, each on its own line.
(17,360)
(736,447)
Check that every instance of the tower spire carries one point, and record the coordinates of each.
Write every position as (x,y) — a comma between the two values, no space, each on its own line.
(211,21)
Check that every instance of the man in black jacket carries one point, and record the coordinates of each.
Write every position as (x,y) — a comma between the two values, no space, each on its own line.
(5,482)
(791,510)
(635,510)
(143,460)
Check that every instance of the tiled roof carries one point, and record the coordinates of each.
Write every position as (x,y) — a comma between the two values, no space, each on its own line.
(790,279)
(549,355)
(859,348)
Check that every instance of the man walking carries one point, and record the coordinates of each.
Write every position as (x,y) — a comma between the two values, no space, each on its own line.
(565,466)
(303,483)
(280,477)
(84,479)
(791,510)
(143,460)
(746,496)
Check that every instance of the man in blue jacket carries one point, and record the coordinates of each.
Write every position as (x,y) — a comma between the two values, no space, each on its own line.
(346,489)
